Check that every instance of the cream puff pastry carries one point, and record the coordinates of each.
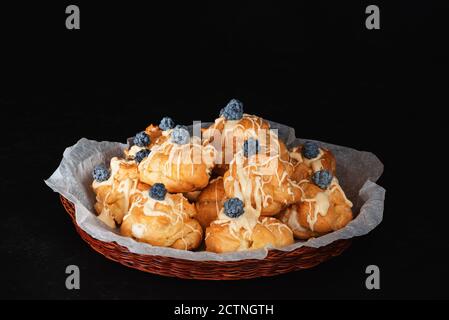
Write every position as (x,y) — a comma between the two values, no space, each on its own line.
(166,221)
(210,202)
(181,163)
(233,128)
(310,158)
(145,140)
(226,236)
(114,189)
(320,211)
(261,181)
(162,193)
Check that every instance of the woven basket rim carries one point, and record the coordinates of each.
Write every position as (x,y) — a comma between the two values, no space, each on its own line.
(276,262)
(155,255)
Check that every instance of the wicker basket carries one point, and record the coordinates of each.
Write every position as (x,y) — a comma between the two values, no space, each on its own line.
(276,262)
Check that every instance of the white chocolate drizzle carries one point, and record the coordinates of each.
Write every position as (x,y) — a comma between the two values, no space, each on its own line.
(176,212)
(138,230)
(133,150)
(191,154)
(125,187)
(322,203)
(293,219)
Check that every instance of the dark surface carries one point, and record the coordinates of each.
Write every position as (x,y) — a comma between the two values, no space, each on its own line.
(313,67)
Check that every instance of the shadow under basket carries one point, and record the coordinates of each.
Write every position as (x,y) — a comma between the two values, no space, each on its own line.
(276,262)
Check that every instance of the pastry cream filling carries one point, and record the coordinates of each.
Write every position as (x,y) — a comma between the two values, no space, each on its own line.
(137,230)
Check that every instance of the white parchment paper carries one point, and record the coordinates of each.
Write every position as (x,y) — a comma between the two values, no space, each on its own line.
(357,172)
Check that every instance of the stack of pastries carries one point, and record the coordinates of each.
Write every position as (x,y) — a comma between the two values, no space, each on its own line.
(234,187)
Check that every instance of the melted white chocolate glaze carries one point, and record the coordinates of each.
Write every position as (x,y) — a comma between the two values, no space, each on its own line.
(176,213)
(125,187)
(233,130)
(315,163)
(138,230)
(251,192)
(293,220)
(133,150)
(191,154)
(279,225)
(322,203)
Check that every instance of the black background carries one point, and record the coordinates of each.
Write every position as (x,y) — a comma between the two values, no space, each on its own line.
(311,65)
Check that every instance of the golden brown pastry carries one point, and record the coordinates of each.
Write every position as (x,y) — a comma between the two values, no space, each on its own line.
(262,181)
(301,171)
(227,236)
(230,134)
(148,194)
(231,130)
(210,202)
(114,192)
(181,163)
(291,218)
(155,134)
(309,158)
(152,136)
(320,211)
(168,222)
(192,196)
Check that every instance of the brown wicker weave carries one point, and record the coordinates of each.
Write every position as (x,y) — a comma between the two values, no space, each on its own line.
(276,262)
